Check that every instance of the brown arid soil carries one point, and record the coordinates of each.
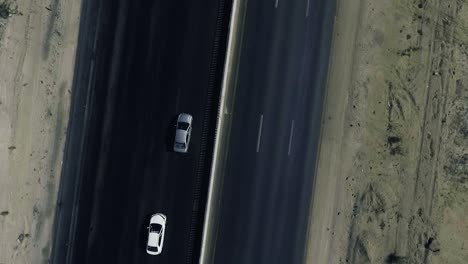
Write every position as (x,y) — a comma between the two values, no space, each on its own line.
(37,54)
(392,177)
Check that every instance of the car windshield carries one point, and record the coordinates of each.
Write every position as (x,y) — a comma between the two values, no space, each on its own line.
(155,227)
(182,125)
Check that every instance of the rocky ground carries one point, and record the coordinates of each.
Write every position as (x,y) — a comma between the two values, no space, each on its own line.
(37,51)
(392,178)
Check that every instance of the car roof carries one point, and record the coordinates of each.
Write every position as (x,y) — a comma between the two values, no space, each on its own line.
(181,136)
(153,239)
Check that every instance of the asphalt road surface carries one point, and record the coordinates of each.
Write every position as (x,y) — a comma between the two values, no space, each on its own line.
(139,64)
(275,130)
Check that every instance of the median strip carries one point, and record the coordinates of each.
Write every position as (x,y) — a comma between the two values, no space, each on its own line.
(223,124)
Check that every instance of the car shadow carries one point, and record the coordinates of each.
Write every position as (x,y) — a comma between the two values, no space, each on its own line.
(170,134)
(144,231)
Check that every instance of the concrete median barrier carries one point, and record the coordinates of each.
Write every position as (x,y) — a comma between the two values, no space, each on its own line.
(223,128)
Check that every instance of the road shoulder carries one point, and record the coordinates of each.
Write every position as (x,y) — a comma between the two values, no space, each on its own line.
(328,188)
(37,55)
(391,177)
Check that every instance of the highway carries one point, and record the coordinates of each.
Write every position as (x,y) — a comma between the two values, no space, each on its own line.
(139,64)
(271,153)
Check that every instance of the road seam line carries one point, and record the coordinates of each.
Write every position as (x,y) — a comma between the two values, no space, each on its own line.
(259,137)
(291,132)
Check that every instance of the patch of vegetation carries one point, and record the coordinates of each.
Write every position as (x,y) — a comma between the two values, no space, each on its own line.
(393,258)
(461,121)
(372,201)
(7,9)
(394,145)
(360,254)
(457,167)
(408,51)
(432,244)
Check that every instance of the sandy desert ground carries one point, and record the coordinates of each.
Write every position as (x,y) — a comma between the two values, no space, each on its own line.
(37,53)
(392,177)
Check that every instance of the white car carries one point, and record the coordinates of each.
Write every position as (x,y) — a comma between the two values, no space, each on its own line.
(183,131)
(156,230)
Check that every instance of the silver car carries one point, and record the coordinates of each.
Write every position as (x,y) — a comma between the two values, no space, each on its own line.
(183,131)
(156,230)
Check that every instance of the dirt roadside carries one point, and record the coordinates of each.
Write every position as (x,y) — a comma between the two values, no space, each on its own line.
(392,176)
(37,54)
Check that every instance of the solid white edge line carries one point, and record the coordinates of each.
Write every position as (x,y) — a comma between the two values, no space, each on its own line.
(259,137)
(276,4)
